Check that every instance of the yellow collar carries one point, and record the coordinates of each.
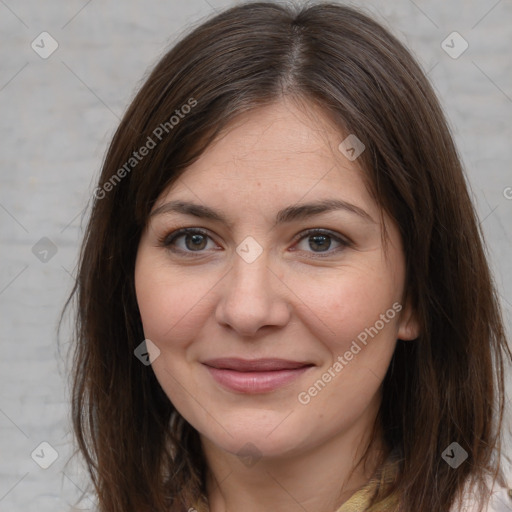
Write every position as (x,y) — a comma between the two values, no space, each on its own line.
(360,500)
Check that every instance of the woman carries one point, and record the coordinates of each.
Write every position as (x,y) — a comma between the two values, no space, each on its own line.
(283,297)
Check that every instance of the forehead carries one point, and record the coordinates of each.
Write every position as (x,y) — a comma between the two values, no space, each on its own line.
(280,150)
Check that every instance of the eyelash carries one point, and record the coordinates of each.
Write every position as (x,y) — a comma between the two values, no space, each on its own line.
(169,239)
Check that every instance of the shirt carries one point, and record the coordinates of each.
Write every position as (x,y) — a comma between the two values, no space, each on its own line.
(500,501)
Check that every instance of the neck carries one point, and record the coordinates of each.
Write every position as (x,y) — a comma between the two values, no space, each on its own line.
(318,480)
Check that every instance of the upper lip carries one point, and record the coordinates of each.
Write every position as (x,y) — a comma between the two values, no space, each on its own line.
(254,365)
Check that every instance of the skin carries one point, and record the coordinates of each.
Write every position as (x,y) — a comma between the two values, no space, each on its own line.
(295,301)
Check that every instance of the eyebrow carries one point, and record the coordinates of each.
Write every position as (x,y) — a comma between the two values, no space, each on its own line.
(288,214)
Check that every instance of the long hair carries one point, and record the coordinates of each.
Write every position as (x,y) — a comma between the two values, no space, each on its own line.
(446,386)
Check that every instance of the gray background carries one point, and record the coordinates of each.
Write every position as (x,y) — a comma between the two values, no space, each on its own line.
(57,116)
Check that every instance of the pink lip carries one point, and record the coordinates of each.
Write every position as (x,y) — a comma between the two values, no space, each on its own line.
(255,376)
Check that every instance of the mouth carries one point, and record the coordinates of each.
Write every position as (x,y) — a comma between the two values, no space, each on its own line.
(256,375)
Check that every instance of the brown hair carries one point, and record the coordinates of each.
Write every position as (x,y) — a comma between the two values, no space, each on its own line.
(445,386)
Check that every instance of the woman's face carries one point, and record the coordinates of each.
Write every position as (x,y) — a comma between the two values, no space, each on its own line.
(277,315)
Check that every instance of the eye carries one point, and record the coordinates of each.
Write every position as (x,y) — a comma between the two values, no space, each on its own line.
(187,240)
(194,240)
(321,241)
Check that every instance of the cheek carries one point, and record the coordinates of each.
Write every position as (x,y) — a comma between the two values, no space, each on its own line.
(360,341)
(340,307)
(173,307)
(172,303)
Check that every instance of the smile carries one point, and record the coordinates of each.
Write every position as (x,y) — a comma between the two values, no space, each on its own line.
(255,376)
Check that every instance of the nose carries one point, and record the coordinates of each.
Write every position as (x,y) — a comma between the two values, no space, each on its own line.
(252,297)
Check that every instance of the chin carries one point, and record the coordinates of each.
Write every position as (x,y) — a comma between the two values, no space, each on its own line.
(256,443)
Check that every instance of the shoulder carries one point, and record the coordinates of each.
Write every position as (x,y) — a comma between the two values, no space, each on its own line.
(500,499)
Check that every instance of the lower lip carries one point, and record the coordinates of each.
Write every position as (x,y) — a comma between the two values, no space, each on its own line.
(255,382)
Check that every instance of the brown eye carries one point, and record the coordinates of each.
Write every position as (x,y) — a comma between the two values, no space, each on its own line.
(187,240)
(319,241)
(195,241)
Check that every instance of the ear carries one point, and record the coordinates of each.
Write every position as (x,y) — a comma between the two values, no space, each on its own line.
(408,325)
